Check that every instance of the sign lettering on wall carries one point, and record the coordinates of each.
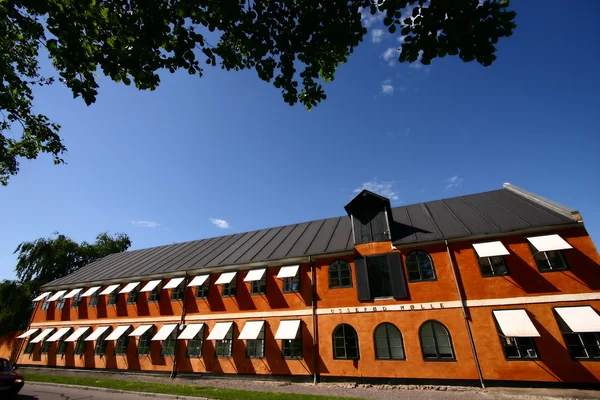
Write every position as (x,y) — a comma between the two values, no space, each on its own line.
(390,307)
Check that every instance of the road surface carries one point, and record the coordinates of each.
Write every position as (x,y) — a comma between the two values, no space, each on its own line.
(31,391)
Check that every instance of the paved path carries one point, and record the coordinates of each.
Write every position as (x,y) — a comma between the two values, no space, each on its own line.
(33,391)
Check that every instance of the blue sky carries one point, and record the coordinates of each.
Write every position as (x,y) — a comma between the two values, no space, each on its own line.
(163,166)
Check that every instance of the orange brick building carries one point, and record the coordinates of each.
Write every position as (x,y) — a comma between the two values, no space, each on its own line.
(490,287)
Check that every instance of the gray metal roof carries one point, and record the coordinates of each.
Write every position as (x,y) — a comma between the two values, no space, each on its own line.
(489,213)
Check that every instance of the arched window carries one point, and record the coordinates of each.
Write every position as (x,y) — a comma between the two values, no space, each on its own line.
(420,266)
(345,343)
(340,274)
(436,342)
(388,342)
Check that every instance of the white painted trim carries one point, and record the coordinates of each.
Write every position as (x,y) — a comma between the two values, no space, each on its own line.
(433,305)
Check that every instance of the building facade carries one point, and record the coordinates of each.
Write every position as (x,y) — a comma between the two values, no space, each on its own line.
(496,286)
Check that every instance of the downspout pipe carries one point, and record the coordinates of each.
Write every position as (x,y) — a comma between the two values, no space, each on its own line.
(185,290)
(314,320)
(464,311)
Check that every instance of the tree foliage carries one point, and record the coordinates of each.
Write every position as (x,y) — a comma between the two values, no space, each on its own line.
(16,306)
(47,259)
(295,45)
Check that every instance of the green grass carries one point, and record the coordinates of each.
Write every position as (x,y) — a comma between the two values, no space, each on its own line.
(183,390)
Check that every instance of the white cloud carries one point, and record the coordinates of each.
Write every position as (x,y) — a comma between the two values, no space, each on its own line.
(219,223)
(452,182)
(384,188)
(368,20)
(402,39)
(390,53)
(387,88)
(377,35)
(146,224)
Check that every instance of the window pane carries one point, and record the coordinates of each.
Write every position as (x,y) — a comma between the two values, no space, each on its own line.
(484,266)
(499,265)
(541,261)
(397,352)
(380,283)
(556,260)
(445,351)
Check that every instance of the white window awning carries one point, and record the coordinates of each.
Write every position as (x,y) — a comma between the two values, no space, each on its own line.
(515,323)
(549,243)
(97,333)
(220,331)
(73,293)
(580,319)
(129,287)
(490,249)
(289,271)
(150,286)
(164,332)
(288,330)
(198,280)
(191,331)
(225,278)
(42,335)
(109,289)
(140,330)
(173,283)
(28,333)
(58,334)
(118,332)
(57,295)
(42,296)
(90,291)
(77,334)
(251,330)
(255,275)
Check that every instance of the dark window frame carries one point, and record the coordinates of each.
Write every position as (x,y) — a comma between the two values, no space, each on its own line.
(489,264)
(338,271)
(203,291)
(45,347)
(60,303)
(255,348)
(195,346)
(113,297)
(45,304)
(291,284)
(122,343)
(371,278)
(229,289)
(259,287)
(438,357)
(567,334)
(419,266)
(541,259)
(101,343)
(169,345)
(224,347)
(178,292)
(292,349)
(94,298)
(29,348)
(154,295)
(388,347)
(80,345)
(132,296)
(144,345)
(76,300)
(346,335)
(61,347)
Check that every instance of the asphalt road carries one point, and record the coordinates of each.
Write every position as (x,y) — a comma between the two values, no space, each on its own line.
(31,391)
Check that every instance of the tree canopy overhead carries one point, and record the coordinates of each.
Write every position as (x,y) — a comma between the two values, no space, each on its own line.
(295,45)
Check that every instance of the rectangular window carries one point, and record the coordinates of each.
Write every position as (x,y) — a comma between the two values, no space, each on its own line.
(61,348)
(194,349)
(145,342)
(100,347)
(80,346)
(76,300)
(492,266)
(291,285)
(585,345)
(94,298)
(132,296)
(29,347)
(169,345)
(380,282)
(292,348)
(60,303)
(255,348)
(228,289)
(519,348)
(259,287)
(202,291)
(113,297)
(177,293)
(154,296)
(45,347)
(224,347)
(45,304)
(552,260)
(122,344)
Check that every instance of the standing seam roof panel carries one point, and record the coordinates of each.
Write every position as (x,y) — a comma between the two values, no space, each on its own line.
(235,256)
(448,224)
(197,247)
(339,238)
(306,239)
(140,260)
(525,209)
(323,237)
(194,262)
(420,218)
(289,242)
(190,259)
(233,248)
(504,220)
(266,251)
(250,255)
(206,260)
(165,263)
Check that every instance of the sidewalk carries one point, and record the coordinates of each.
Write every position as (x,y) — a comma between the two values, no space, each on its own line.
(375,392)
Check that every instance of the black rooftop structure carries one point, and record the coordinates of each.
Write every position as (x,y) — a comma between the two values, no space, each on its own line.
(500,211)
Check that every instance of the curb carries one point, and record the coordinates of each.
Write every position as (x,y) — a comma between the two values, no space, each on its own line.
(108,390)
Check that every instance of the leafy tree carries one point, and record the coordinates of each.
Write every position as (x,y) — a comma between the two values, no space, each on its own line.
(15,298)
(47,259)
(131,41)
